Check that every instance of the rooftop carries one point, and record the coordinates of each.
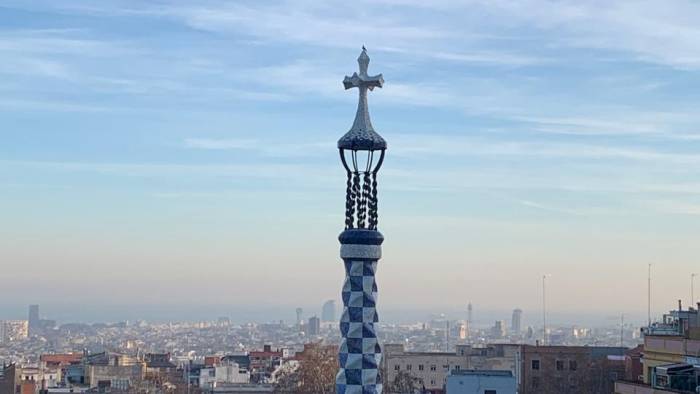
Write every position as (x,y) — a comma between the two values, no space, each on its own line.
(685,323)
(479,372)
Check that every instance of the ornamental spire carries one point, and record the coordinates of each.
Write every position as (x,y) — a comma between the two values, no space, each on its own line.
(361,135)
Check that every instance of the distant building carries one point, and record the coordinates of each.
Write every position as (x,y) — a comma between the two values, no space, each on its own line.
(481,382)
(328,311)
(10,379)
(430,369)
(499,329)
(264,363)
(314,327)
(671,356)
(220,375)
(13,330)
(224,321)
(463,330)
(61,364)
(300,318)
(570,369)
(634,370)
(34,320)
(516,321)
(530,332)
(113,370)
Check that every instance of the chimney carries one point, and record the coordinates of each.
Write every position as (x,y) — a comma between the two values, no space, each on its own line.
(680,306)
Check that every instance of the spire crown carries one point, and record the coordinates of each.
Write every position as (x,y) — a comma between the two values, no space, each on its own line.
(361,135)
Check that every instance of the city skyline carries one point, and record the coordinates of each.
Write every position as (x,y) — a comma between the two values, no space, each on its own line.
(177,150)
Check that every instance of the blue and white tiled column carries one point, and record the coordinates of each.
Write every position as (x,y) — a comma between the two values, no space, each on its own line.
(360,354)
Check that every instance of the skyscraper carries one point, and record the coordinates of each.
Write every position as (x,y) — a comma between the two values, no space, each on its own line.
(328,311)
(300,318)
(516,322)
(362,153)
(34,320)
(314,327)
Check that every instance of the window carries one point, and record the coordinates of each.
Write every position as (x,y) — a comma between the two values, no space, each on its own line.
(446,367)
(409,367)
(432,382)
(420,367)
(397,367)
(490,392)
(433,367)
(560,365)
(536,364)
(457,367)
(572,365)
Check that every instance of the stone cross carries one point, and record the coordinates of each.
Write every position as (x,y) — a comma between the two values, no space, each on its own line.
(362,81)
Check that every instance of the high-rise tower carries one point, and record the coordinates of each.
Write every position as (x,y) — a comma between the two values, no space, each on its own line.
(328,311)
(516,321)
(34,319)
(362,153)
(300,318)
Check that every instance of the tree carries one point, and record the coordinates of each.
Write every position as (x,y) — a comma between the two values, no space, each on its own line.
(404,383)
(315,373)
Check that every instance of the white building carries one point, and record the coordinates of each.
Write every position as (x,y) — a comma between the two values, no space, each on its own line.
(218,375)
(481,382)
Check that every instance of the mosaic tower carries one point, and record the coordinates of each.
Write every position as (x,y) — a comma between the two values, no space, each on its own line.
(362,153)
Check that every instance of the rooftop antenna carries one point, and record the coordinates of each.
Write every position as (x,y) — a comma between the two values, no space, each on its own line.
(544,309)
(649,295)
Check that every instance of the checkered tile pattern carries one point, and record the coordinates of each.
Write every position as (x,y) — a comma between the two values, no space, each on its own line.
(360,354)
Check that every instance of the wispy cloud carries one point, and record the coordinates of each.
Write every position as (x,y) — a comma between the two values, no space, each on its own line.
(314,24)
(171,169)
(273,148)
(674,207)
(444,145)
(221,144)
(36,105)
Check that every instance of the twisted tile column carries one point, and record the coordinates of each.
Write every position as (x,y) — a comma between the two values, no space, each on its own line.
(360,354)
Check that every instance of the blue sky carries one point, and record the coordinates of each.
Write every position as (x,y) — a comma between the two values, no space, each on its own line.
(189,147)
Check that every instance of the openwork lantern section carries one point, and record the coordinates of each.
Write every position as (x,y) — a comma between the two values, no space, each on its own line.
(362,153)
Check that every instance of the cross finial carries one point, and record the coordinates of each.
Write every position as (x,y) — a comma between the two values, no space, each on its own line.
(362,79)
(362,127)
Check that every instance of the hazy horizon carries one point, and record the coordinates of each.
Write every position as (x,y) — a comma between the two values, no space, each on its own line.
(267,314)
(179,153)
